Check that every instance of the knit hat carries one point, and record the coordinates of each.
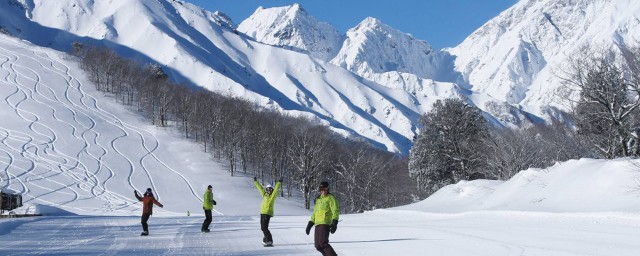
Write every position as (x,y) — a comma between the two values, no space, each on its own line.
(324,184)
(148,192)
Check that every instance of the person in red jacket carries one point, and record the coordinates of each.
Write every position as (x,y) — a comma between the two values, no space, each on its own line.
(147,208)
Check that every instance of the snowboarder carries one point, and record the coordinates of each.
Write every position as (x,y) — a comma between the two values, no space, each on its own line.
(269,196)
(325,218)
(147,208)
(207,206)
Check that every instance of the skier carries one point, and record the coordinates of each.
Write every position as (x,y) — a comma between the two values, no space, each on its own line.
(207,206)
(269,196)
(325,218)
(147,208)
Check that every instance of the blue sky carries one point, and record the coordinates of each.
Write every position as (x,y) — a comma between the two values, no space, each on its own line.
(442,23)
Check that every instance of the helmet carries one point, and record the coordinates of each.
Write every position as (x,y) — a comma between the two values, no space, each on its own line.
(268,186)
(324,184)
(148,192)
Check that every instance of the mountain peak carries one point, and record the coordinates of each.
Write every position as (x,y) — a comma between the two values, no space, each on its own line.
(223,20)
(373,47)
(297,8)
(293,28)
(371,22)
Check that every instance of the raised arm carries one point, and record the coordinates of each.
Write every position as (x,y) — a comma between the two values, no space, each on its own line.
(275,190)
(258,186)
(135,193)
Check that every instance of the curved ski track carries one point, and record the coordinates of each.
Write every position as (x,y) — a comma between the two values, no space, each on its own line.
(56,140)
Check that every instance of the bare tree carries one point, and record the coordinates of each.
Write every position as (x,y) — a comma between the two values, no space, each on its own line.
(307,154)
(609,97)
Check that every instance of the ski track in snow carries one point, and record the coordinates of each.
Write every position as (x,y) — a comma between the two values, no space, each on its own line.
(61,149)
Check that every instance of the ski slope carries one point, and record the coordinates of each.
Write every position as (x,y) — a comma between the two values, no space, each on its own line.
(62,143)
(76,156)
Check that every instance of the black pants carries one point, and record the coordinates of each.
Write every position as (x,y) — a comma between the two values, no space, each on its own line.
(264,225)
(145,218)
(321,239)
(207,219)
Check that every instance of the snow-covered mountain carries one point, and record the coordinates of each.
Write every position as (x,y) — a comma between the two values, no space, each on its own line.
(374,82)
(293,28)
(515,56)
(381,54)
(189,42)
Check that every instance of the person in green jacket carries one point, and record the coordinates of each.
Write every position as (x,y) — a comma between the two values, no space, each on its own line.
(207,206)
(269,196)
(325,218)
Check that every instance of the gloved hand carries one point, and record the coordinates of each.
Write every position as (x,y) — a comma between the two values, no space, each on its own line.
(309,225)
(280,180)
(334,226)
(255,178)
(214,202)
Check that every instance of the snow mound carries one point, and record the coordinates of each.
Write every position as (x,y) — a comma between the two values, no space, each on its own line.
(585,185)
(41,209)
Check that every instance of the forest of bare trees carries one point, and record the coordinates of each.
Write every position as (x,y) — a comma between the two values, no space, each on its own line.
(254,141)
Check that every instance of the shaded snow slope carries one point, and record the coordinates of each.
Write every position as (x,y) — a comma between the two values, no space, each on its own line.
(516,56)
(64,145)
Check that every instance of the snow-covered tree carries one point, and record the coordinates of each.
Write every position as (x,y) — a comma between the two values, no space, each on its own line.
(609,96)
(449,147)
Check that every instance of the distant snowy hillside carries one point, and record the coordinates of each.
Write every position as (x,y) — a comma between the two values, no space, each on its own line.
(585,185)
(293,28)
(514,56)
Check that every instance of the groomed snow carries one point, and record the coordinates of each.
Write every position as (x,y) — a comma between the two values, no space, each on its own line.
(76,156)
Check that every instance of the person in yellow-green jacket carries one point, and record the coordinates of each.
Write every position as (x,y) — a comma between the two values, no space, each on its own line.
(269,195)
(325,217)
(207,206)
